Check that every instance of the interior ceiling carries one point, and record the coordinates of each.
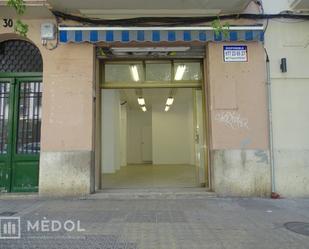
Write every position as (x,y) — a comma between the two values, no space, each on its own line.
(125,8)
(117,9)
(36,9)
(300,4)
(156,96)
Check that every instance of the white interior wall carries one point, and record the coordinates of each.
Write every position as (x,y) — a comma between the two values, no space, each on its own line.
(110,131)
(190,120)
(123,135)
(172,134)
(136,120)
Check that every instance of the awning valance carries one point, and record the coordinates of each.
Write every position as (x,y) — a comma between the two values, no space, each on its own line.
(158,34)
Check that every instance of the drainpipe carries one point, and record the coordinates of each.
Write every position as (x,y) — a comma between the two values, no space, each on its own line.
(274,195)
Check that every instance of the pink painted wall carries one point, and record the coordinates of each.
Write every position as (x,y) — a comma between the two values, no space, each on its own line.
(67,121)
(237,99)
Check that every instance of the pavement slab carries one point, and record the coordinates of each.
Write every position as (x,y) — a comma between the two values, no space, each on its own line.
(150,223)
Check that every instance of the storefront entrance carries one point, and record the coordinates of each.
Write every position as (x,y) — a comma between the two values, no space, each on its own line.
(153,124)
(20,116)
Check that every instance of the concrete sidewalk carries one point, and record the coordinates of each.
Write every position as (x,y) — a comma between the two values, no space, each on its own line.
(157,223)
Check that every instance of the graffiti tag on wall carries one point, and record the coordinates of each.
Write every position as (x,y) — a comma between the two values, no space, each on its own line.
(232,120)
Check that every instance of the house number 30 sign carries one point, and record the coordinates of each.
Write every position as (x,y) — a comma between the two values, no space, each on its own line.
(7,23)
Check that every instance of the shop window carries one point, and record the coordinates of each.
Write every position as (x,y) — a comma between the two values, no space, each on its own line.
(192,70)
(152,72)
(158,71)
(119,73)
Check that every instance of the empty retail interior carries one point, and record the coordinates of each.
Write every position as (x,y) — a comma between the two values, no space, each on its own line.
(153,136)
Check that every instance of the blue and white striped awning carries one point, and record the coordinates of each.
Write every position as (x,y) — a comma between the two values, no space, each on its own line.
(158,34)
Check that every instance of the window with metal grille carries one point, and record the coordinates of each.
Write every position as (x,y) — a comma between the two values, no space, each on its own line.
(29,119)
(20,56)
(4,116)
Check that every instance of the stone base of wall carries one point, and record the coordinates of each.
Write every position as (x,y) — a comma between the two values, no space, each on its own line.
(65,173)
(292,173)
(242,173)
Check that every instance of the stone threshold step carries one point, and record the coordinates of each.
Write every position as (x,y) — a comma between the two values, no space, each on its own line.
(187,193)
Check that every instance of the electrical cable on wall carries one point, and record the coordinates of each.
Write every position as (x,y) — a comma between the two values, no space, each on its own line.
(174,21)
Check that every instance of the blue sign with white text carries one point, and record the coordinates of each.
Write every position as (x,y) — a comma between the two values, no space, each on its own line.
(235,53)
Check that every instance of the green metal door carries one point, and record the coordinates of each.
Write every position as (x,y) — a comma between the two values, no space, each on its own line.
(20,133)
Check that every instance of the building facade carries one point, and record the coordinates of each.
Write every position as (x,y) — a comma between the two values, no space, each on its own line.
(289,39)
(244,154)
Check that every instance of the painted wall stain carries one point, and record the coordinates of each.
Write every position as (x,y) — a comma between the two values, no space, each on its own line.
(243,156)
(262,156)
(237,173)
(232,120)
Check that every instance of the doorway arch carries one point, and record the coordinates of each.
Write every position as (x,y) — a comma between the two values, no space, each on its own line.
(21,68)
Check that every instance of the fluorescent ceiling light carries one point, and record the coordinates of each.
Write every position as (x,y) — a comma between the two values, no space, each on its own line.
(144,108)
(169,101)
(141,101)
(180,72)
(167,108)
(150,49)
(134,72)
